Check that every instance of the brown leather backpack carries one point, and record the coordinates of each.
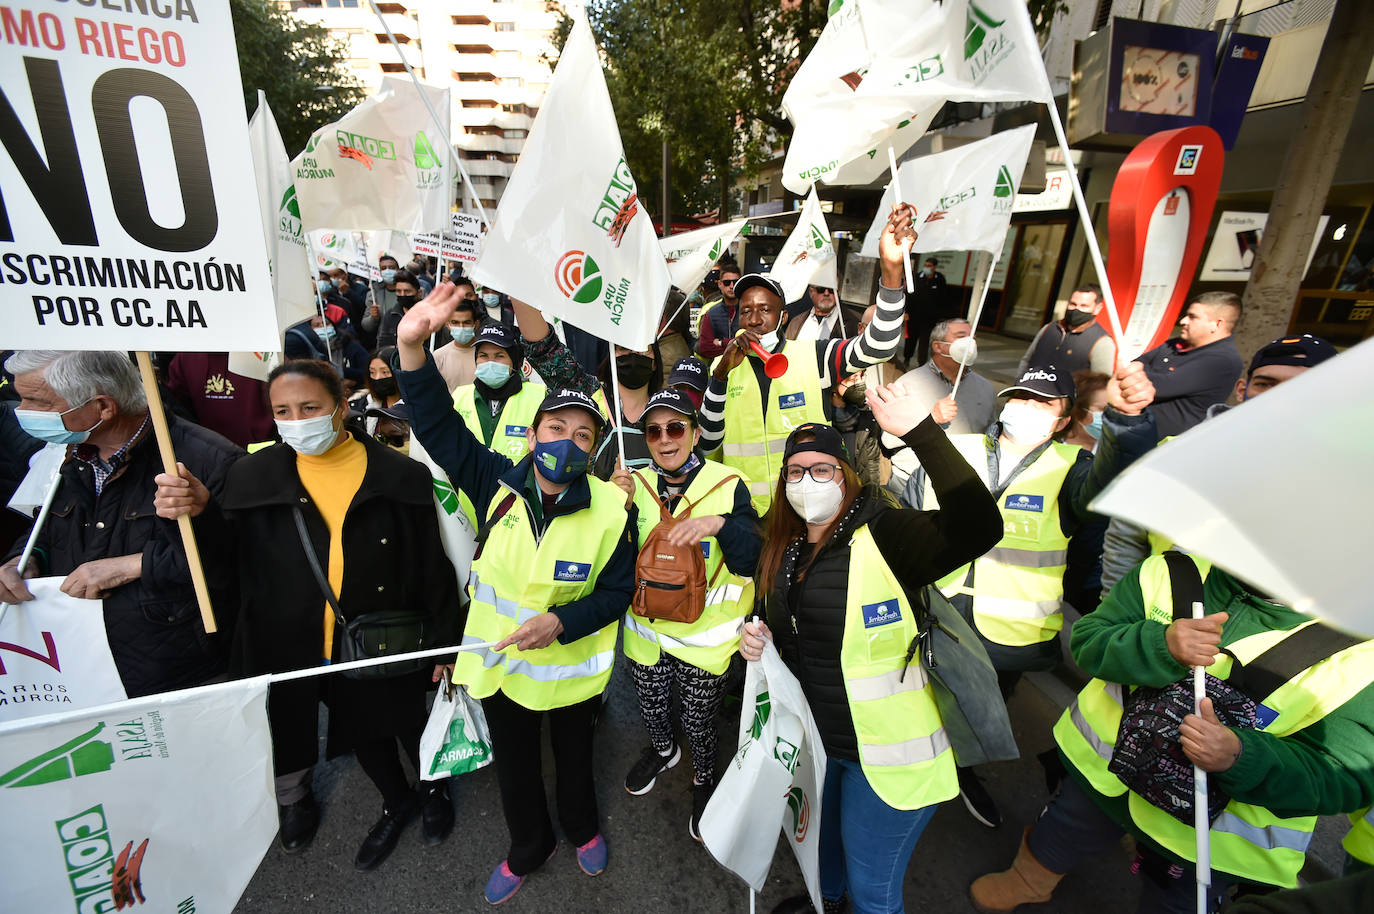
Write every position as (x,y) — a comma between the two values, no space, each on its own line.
(670,581)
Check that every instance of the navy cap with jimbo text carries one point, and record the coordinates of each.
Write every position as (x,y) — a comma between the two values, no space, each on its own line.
(564,397)
(1043,381)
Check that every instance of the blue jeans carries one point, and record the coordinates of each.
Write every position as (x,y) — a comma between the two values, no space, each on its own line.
(865,844)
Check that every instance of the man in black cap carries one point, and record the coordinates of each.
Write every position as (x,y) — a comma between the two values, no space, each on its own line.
(1043,488)
(499,405)
(689,377)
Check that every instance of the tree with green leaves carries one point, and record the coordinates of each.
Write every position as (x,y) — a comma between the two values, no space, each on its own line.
(298,65)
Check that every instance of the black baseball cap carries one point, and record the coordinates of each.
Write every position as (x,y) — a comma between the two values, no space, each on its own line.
(566,396)
(1044,381)
(824,440)
(689,371)
(397,410)
(752,280)
(503,335)
(1304,351)
(668,398)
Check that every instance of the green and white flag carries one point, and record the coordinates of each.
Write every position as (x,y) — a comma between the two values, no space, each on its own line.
(963,196)
(571,237)
(884,65)
(383,165)
(691,255)
(808,255)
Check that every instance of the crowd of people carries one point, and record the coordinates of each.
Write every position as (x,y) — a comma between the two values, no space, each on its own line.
(820,507)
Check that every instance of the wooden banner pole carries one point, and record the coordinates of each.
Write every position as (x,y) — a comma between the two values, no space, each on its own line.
(169,465)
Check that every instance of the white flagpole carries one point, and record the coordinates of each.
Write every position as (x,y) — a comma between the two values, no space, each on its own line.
(434,115)
(906,242)
(987,262)
(615,420)
(1201,821)
(33,534)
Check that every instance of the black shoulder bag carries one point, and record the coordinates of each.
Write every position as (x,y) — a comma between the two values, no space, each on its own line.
(370,635)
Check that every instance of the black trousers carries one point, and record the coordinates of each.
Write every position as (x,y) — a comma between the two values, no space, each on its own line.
(516,742)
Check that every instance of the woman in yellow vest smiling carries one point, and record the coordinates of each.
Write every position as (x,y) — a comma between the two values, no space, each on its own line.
(845,565)
(696,654)
(554,574)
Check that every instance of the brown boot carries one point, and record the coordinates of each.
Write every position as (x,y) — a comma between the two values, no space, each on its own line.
(1025,882)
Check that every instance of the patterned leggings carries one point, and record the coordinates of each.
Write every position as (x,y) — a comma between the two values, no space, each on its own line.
(700,693)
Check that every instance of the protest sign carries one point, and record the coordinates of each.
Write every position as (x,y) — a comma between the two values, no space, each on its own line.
(691,255)
(128,219)
(380,166)
(964,197)
(808,255)
(570,236)
(54,656)
(461,242)
(165,800)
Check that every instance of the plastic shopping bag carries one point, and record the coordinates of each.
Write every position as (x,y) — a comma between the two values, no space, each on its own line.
(456,739)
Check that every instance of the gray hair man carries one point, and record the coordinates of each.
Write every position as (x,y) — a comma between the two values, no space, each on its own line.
(102,536)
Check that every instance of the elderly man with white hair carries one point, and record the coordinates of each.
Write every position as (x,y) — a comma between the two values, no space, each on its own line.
(102,535)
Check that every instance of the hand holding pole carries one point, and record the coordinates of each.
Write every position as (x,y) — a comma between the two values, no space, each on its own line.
(906,243)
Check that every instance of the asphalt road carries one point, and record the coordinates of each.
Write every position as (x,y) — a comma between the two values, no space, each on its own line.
(654,864)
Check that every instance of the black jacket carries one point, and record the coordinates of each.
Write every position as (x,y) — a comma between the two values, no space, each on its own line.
(153,624)
(807,616)
(1189,381)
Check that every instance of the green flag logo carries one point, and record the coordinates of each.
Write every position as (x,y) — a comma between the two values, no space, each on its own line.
(715,251)
(762,705)
(447,498)
(82,755)
(425,156)
(1004,187)
(578,277)
(976,26)
(835,7)
(288,202)
(818,239)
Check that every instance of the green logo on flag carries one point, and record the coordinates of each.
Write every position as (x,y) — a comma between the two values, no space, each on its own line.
(835,7)
(82,755)
(425,156)
(288,202)
(714,255)
(762,705)
(1004,187)
(447,498)
(818,239)
(976,25)
(578,277)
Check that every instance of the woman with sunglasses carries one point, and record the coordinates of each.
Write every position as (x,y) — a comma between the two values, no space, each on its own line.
(694,655)
(845,566)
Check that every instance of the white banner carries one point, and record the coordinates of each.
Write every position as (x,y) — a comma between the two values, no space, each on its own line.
(33,488)
(808,255)
(331,248)
(570,236)
(255,365)
(128,217)
(691,255)
(964,196)
(880,65)
(54,656)
(165,800)
(380,166)
(461,242)
(293,283)
(456,531)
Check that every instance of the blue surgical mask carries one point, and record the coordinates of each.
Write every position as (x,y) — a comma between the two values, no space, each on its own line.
(325,286)
(1094,427)
(312,436)
(326,332)
(463,335)
(47,426)
(491,299)
(560,461)
(388,276)
(492,374)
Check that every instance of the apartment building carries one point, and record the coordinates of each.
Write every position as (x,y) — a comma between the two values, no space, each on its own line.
(489,53)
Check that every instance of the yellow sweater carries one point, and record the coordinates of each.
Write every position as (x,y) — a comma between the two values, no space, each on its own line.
(332,479)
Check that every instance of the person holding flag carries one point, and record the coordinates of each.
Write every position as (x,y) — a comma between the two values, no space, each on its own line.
(553,575)
(748,414)
(842,559)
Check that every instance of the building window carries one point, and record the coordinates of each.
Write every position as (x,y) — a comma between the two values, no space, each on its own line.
(503,26)
(335,4)
(393,68)
(515,81)
(516,134)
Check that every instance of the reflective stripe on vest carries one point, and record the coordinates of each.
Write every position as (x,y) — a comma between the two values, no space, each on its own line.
(1247,841)
(1359,841)
(710,641)
(756,431)
(518,577)
(1018,585)
(903,747)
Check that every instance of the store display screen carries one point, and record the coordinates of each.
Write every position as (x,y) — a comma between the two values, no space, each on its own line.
(1158,81)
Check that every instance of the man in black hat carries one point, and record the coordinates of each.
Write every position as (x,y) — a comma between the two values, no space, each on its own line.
(1043,488)
(499,405)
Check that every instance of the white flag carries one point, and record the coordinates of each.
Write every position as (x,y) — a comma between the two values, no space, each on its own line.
(963,196)
(884,64)
(333,249)
(54,655)
(166,799)
(691,255)
(456,531)
(570,237)
(808,255)
(33,488)
(383,165)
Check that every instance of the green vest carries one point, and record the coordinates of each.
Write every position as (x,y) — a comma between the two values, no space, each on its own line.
(508,437)
(1248,841)
(755,431)
(516,578)
(1019,584)
(903,748)
(710,641)
(1359,841)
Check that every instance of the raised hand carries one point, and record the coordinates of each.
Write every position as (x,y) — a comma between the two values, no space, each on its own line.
(897,410)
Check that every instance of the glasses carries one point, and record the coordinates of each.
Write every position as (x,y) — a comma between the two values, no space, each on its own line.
(821,472)
(822,289)
(673,430)
(727,282)
(393,440)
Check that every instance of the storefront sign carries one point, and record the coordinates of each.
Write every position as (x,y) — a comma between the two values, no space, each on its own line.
(1236,242)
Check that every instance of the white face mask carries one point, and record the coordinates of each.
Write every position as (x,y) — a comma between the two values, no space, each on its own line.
(816,502)
(769,340)
(1026,425)
(964,350)
(312,436)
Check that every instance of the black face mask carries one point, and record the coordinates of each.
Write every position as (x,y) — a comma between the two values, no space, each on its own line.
(382,388)
(1076,318)
(405,301)
(634,369)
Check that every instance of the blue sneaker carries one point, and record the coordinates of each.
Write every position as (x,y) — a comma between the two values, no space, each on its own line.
(502,884)
(591,857)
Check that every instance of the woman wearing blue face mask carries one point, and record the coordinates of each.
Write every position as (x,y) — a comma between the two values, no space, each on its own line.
(558,553)
(1083,574)
(369,516)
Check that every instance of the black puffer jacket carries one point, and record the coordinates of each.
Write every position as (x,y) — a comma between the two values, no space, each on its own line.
(807,616)
(153,624)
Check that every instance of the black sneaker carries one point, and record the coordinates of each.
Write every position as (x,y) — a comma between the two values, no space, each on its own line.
(977,800)
(641,778)
(801,904)
(701,795)
(436,813)
(299,822)
(381,839)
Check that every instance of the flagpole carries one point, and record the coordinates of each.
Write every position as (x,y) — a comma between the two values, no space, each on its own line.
(53,483)
(1202,821)
(977,311)
(906,242)
(434,115)
(615,420)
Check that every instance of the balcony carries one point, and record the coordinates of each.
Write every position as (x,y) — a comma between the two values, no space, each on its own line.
(488,168)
